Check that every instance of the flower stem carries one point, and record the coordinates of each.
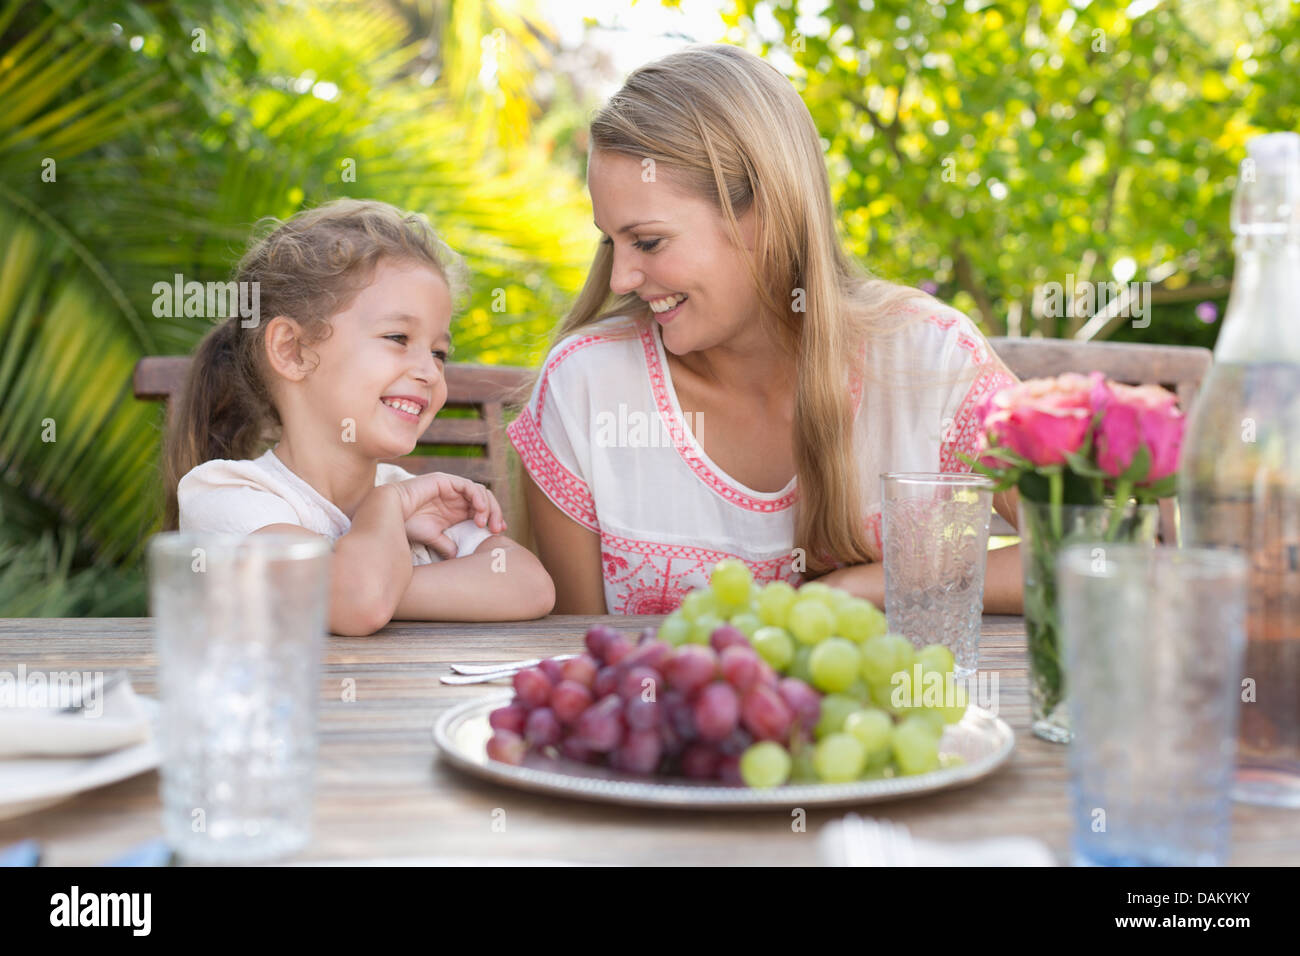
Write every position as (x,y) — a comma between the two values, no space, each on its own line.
(1056,486)
(1122,491)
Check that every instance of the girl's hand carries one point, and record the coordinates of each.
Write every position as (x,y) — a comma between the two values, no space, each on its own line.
(434,502)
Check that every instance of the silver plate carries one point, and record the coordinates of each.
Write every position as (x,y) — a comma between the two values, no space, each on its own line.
(983,741)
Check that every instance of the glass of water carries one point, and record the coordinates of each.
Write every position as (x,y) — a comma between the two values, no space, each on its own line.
(239,626)
(935,531)
(1154,639)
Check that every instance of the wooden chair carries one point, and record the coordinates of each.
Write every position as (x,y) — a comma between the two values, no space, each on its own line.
(1179,368)
(483,389)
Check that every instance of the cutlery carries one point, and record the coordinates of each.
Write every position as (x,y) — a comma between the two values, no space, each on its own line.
(477,678)
(505,666)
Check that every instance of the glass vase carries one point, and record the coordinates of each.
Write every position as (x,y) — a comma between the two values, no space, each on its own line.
(1045,529)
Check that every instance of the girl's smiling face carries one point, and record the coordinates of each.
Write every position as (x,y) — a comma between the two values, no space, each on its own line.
(673,250)
(381,367)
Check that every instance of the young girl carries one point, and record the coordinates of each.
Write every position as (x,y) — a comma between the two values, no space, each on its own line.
(346,365)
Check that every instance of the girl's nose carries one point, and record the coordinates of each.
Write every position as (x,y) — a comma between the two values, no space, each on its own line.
(428,370)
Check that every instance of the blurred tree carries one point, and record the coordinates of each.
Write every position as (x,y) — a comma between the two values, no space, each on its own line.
(141,140)
(991,147)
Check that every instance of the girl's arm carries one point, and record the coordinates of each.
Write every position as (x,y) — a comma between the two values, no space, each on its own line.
(500,581)
(570,553)
(1003,578)
(371,566)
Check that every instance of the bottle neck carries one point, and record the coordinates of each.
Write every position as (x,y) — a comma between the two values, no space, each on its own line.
(1261,320)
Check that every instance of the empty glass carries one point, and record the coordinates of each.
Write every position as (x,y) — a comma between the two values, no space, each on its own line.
(1153,644)
(935,530)
(239,624)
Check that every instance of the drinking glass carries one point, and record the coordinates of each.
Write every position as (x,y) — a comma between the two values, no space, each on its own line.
(1153,640)
(239,623)
(935,530)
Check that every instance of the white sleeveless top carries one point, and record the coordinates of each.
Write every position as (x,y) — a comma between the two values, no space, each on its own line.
(604,438)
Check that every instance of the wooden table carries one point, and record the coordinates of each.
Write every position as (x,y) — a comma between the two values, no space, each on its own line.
(382,792)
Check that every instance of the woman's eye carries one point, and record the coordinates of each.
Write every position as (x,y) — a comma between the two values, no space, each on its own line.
(646,245)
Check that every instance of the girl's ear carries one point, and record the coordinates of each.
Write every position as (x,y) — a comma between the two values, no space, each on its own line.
(284,348)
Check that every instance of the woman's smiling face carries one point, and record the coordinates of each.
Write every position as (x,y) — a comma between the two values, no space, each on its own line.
(672,249)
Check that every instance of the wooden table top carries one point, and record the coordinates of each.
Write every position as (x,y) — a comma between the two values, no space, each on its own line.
(382,792)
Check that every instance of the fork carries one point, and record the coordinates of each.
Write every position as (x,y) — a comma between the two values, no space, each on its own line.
(507,666)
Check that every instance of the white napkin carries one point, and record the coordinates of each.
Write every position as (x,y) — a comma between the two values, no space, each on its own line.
(31,723)
(835,849)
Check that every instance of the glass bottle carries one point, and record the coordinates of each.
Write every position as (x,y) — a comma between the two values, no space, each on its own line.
(1239,482)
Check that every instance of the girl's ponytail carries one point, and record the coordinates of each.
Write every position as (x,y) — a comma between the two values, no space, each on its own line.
(222,411)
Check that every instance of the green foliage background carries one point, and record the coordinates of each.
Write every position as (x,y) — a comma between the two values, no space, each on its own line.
(173,125)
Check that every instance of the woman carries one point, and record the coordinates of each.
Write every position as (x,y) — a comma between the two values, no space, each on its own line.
(741,356)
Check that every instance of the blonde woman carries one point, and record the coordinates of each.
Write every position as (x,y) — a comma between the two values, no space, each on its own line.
(728,383)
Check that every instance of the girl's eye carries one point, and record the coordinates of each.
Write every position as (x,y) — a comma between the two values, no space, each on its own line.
(440,355)
(397,337)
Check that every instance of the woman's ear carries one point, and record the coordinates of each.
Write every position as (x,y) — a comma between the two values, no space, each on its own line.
(284,349)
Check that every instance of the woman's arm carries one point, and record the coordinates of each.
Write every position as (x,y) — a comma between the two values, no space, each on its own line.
(500,581)
(570,552)
(1003,579)
(371,566)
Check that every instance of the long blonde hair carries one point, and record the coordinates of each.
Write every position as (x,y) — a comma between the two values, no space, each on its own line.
(730,128)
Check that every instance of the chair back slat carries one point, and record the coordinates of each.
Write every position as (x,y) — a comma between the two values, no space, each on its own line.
(484,389)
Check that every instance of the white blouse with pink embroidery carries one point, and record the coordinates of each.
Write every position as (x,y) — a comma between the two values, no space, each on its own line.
(604,437)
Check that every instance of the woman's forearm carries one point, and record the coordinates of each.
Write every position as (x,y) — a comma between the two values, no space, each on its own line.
(1003,582)
(500,581)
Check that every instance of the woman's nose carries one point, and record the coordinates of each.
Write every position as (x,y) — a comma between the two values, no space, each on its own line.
(624,277)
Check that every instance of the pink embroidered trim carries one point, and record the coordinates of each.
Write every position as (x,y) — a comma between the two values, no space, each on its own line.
(559,357)
(971,343)
(873,525)
(963,434)
(686,447)
(569,492)
(690,552)
(643,577)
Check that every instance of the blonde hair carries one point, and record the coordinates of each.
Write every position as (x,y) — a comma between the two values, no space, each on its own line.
(730,128)
(308,268)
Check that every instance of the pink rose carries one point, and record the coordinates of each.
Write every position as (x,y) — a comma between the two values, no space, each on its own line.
(1133,416)
(1042,419)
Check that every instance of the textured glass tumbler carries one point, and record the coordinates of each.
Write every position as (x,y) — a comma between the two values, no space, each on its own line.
(1154,639)
(935,530)
(239,627)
